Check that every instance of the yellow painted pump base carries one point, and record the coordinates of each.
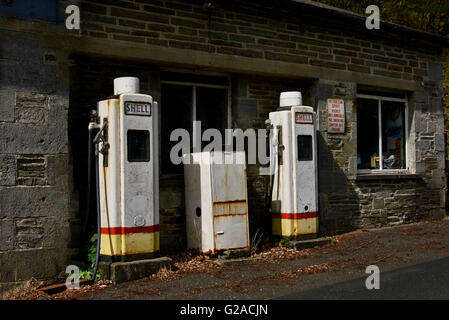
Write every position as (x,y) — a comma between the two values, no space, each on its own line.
(285,227)
(129,246)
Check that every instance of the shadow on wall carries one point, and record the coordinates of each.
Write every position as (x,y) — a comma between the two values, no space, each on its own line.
(346,204)
(338,201)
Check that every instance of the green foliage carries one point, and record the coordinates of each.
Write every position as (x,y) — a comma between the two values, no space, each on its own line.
(91,255)
(431,16)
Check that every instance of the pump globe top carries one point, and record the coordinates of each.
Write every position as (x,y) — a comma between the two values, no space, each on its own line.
(126,85)
(290,99)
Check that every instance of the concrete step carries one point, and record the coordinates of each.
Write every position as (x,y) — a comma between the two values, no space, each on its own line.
(310,243)
(226,262)
(128,271)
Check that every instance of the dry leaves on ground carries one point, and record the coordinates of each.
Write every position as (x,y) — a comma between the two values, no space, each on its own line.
(83,290)
(313,269)
(280,253)
(30,290)
(26,291)
(187,263)
(434,245)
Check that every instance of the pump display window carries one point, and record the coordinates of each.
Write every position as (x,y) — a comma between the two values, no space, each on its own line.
(138,145)
(305,148)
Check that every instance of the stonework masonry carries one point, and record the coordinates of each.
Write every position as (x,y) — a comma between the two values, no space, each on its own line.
(248,29)
(51,77)
(34,163)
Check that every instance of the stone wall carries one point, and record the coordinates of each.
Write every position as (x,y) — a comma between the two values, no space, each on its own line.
(35,168)
(259,30)
(349,201)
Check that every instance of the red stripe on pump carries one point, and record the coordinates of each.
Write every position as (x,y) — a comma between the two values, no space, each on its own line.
(127,230)
(303,215)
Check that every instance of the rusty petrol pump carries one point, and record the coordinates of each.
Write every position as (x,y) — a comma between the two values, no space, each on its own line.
(293,163)
(216,202)
(128,177)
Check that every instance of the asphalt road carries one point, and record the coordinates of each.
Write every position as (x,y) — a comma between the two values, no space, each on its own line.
(413,261)
(426,281)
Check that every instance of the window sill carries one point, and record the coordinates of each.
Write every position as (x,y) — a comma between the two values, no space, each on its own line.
(385,175)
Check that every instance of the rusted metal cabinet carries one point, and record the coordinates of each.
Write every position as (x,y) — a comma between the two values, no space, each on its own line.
(216,201)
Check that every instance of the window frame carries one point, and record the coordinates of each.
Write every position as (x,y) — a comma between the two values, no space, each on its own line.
(193,107)
(380,99)
(193,117)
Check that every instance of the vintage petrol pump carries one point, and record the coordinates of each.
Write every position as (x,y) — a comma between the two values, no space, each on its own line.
(128,187)
(293,150)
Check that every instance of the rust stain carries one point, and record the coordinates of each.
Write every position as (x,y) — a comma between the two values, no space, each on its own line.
(230,201)
(229,215)
(230,208)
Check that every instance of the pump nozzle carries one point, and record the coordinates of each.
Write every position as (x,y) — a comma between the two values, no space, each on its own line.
(93,124)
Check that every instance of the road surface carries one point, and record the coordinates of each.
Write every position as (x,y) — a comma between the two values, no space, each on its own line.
(428,280)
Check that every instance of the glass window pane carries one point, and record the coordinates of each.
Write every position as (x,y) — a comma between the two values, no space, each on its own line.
(211,109)
(367,134)
(393,135)
(176,104)
(305,150)
(138,145)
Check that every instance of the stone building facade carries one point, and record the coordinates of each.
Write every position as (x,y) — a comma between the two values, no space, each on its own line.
(51,77)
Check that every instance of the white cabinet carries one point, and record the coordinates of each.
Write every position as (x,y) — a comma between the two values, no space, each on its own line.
(216,201)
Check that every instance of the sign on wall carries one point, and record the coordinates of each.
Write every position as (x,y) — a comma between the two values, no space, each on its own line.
(336,116)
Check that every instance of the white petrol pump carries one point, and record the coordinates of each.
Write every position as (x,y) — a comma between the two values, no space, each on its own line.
(128,182)
(293,150)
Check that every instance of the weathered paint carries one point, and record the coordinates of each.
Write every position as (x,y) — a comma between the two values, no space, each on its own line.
(128,190)
(295,186)
(228,215)
(230,207)
(230,232)
(287,225)
(136,243)
(220,191)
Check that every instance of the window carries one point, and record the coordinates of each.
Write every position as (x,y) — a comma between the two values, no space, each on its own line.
(138,145)
(381,133)
(305,151)
(186,98)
